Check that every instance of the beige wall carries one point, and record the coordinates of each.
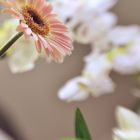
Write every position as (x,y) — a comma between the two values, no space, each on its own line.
(31,98)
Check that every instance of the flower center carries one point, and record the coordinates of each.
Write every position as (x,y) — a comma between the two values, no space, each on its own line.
(35,20)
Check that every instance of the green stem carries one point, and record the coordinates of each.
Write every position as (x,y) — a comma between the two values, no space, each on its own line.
(10,43)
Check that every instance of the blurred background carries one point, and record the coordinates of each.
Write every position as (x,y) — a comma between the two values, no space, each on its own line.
(30,104)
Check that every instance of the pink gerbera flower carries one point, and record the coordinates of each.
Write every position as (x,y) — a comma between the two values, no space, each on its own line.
(38,21)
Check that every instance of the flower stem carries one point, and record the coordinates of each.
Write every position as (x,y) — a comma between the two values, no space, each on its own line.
(10,43)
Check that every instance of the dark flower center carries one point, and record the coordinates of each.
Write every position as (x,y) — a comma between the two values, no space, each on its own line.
(35,18)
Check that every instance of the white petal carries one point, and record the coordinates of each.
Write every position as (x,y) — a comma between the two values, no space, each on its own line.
(96,66)
(71,91)
(89,27)
(128,61)
(108,19)
(102,85)
(124,34)
(127,120)
(100,5)
(127,135)
(125,64)
(23,57)
(23,54)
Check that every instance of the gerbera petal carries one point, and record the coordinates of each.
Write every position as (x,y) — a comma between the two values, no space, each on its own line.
(40,4)
(20,3)
(12,12)
(61,36)
(57,47)
(38,46)
(37,43)
(59,27)
(47,9)
(6,3)
(12,2)
(38,21)
(62,41)
(55,55)
(28,31)
(51,50)
(24,25)
(31,1)
(64,49)
(21,27)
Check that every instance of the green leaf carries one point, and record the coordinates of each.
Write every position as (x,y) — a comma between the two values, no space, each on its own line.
(81,129)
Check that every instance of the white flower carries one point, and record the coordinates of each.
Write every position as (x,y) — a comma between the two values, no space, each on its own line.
(74,90)
(127,61)
(22,56)
(102,85)
(128,125)
(97,65)
(97,70)
(129,135)
(79,88)
(91,22)
(87,5)
(125,49)
(100,5)
(122,35)
(94,81)
(61,7)
(93,29)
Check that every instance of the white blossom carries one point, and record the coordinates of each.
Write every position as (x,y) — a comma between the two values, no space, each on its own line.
(97,65)
(122,35)
(74,90)
(94,81)
(124,42)
(93,29)
(92,20)
(127,60)
(97,70)
(79,88)
(128,125)
(22,56)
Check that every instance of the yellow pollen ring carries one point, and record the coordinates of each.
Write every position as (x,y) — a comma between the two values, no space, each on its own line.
(35,20)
